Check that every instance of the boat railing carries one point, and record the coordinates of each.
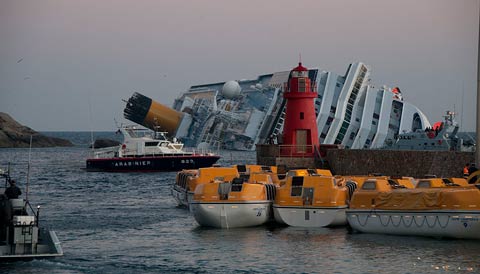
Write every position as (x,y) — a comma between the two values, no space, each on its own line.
(156,152)
(199,151)
(105,152)
(23,207)
(36,213)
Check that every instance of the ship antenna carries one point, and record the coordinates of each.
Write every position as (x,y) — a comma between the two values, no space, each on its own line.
(116,122)
(91,124)
(28,169)
(8,174)
(461,113)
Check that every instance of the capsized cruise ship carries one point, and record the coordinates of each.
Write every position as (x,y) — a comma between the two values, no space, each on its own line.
(239,114)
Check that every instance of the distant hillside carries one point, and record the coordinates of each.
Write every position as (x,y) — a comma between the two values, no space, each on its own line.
(13,134)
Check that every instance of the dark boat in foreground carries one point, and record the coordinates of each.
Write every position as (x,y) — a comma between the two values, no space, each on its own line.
(147,151)
(21,237)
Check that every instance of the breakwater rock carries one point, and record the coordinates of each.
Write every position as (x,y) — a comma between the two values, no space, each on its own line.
(13,134)
(103,142)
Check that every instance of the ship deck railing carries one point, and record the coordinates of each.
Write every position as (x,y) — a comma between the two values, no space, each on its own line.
(111,153)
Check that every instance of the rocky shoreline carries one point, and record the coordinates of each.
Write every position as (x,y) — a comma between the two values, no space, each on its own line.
(15,135)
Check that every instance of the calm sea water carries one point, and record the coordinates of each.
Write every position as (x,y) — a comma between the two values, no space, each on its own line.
(128,223)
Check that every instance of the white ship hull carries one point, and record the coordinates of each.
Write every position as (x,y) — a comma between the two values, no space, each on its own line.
(231,215)
(310,216)
(451,224)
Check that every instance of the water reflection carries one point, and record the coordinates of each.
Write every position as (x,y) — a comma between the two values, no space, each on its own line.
(415,253)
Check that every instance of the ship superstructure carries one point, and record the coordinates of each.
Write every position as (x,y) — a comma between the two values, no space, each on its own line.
(350,111)
(234,115)
(353,113)
(441,136)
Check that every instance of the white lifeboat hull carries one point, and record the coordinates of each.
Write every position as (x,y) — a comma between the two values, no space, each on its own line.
(231,215)
(451,224)
(310,216)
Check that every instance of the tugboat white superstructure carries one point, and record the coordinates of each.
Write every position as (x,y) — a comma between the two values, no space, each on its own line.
(145,150)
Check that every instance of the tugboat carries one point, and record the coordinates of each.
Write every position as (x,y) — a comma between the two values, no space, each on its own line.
(146,150)
(21,238)
(435,207)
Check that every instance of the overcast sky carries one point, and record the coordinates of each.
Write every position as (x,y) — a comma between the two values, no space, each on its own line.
(67,65)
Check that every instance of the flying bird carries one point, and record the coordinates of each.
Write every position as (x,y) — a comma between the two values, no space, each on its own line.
(19,60)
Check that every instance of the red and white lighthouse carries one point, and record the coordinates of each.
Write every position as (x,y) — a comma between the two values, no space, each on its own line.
(300,132)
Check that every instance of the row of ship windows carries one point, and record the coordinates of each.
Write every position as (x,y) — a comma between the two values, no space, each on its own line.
(350,107)
(348,117)
(342,132)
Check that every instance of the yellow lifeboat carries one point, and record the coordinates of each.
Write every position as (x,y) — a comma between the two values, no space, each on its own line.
(435,207)
(187,180)
(235,203)
(309,199)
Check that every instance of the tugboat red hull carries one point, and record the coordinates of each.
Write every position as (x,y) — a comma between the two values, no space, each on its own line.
(151,164)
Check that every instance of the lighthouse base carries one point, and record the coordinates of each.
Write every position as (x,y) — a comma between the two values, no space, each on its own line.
(273,155)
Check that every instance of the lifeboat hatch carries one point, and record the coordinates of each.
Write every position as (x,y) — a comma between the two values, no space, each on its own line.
(241,168)
(449,182)
(369,185)
(423,184)
(307,195)
(297,184)
(237,184)
(223,190)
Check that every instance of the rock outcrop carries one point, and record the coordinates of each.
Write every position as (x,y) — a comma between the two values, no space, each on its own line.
(13,134)
(102,142)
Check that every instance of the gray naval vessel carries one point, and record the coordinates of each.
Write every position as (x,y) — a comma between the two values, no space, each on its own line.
(442,136)
(21,237)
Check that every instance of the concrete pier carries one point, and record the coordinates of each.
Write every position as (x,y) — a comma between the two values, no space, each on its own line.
(387,162)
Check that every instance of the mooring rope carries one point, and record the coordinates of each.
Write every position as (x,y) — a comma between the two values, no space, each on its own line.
(402,220)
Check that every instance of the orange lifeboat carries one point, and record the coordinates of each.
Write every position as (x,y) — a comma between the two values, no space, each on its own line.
(435,207)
